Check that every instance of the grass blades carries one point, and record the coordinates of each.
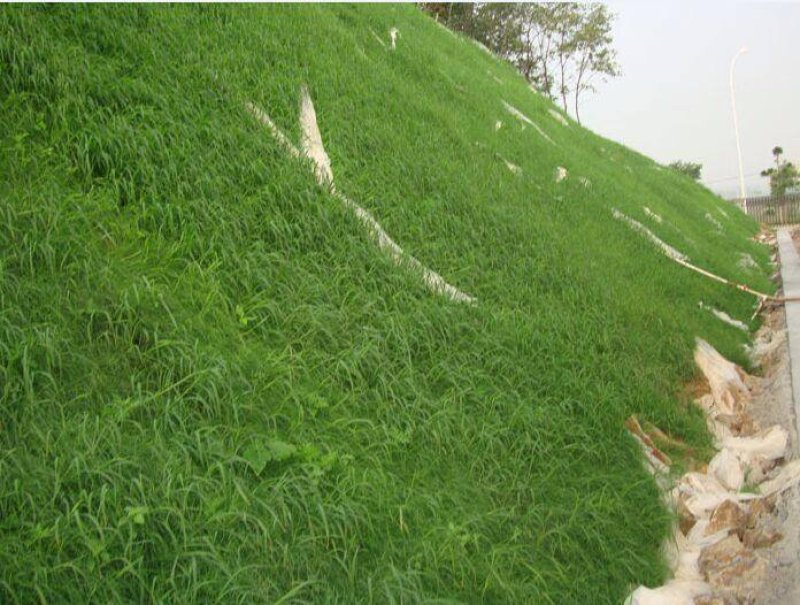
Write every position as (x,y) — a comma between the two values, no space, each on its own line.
(214,388)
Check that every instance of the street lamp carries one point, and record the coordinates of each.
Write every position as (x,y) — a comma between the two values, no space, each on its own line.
(742,192)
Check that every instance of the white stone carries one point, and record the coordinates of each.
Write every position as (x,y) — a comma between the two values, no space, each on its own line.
(724,377)
(766,446)
(725,467)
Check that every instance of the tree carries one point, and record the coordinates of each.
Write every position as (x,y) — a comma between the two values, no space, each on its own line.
(591,49)
(567,19)
(560,48)
(783,177)
(495,25)
(498,27)
(457,16)
(538,26)
(690,169)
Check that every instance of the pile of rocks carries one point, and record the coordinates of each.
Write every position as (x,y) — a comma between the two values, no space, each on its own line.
(714,553)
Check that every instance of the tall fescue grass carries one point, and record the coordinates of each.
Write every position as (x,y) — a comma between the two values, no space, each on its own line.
(214,388)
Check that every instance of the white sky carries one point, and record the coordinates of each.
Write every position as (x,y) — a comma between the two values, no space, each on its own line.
(673,101)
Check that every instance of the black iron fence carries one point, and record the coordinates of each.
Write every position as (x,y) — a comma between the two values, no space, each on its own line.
(773,210)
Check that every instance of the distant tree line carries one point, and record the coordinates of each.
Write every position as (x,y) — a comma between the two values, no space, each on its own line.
(784,177)
(562,49)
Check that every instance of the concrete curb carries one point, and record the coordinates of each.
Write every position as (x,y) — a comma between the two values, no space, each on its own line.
(790,274)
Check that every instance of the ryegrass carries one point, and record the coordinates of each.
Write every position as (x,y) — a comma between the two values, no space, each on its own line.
(214,388)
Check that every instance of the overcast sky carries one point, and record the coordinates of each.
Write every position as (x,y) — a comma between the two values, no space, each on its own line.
(673,99)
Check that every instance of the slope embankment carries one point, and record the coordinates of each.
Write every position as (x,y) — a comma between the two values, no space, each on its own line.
(223,378)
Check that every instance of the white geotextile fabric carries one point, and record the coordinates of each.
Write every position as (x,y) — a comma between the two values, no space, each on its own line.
(312,148)
(637,226)
(674,592)
(558,117)
(656,217)
(526,120)
(722,316)
(717,225)
(724,378)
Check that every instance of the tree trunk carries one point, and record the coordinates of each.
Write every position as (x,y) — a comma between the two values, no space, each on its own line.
(578,82)
(545,59)
(547,86)
(562,61)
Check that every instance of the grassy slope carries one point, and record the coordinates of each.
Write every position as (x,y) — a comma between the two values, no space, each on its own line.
(179,301)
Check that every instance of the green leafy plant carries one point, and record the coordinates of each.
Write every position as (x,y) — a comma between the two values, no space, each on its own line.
(690,169)
(260,452)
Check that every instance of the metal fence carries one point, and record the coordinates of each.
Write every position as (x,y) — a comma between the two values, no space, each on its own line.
(773,210)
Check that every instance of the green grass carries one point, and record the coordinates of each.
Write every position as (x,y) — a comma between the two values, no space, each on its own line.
(215,388)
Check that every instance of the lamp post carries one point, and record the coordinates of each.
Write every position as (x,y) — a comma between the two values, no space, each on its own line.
(742,192)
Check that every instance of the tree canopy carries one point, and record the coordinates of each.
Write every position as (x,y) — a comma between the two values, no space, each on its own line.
(562,49)
(784,176)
